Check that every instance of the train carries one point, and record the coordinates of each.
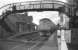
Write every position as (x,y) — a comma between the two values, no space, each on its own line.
(46,27)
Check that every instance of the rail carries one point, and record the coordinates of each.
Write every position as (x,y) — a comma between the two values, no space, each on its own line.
(22,33)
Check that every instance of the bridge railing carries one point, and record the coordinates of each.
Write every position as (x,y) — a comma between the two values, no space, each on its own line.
(28,6)
(32,5)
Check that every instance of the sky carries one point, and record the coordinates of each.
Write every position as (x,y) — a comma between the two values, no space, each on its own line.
(52,15)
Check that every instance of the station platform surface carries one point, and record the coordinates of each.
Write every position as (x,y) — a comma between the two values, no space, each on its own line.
(51,44)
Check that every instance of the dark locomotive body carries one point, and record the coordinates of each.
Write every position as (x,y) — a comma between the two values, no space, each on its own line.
(46,27)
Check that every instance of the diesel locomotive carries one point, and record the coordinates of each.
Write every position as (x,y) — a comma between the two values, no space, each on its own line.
(46,27)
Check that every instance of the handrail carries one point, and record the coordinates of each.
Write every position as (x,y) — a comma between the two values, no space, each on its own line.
(30,2)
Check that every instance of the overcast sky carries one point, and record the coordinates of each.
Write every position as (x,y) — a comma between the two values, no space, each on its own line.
(52,15)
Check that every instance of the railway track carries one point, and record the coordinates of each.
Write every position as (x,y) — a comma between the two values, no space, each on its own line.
(26,42)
